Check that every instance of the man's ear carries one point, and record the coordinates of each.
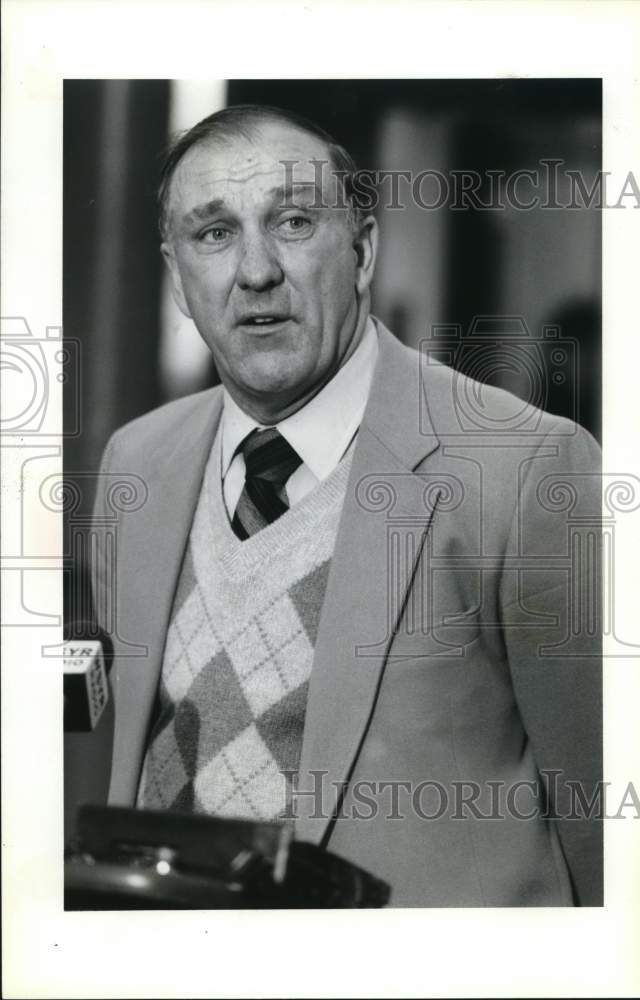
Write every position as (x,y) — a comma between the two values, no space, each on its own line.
(176,281)
(365,245)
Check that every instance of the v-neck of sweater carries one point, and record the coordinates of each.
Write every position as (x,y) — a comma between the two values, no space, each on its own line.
(296,526)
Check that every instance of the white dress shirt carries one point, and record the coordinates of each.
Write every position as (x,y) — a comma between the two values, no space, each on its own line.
(321,431)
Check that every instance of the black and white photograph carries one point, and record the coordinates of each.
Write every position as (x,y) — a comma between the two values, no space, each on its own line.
(319,553)
(387,636)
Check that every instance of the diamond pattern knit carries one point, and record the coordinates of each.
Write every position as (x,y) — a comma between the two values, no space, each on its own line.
(238,656)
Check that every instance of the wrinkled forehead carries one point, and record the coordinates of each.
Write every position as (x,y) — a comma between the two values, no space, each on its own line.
(255,167)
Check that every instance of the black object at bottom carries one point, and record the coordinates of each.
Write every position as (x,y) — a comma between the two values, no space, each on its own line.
(129,859)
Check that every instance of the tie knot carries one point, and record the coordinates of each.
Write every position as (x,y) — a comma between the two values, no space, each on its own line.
(269,456)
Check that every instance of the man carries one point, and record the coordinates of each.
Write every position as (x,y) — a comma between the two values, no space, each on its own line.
(359,611)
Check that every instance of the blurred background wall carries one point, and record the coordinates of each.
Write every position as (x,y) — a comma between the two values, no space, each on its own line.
(497,274)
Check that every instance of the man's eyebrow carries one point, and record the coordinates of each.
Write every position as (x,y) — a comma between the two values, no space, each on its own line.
(204,211)
(283,194)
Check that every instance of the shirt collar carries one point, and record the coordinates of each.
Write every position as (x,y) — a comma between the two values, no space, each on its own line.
(322,430)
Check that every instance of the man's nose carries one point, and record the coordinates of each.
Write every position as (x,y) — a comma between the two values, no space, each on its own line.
(259,268)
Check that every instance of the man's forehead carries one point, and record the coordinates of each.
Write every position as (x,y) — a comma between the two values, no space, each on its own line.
(271,156)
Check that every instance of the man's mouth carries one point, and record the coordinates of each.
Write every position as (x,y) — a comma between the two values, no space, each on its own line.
(263,320)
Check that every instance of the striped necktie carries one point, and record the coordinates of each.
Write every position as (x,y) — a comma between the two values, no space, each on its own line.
(269,461)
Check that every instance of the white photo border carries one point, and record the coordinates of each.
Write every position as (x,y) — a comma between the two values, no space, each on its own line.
(422,952)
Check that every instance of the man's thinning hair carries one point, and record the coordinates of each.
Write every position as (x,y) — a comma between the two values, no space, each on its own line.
(243,120)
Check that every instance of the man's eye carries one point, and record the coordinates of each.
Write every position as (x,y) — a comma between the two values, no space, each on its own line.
(217,234)
(295,224)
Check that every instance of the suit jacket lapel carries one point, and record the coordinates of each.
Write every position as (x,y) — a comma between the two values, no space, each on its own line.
(150,557)
(363,599)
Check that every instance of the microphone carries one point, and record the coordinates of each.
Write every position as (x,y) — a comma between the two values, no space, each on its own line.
(88,717)
(88,654)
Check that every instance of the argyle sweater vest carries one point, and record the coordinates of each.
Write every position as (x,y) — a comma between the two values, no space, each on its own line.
(233,689)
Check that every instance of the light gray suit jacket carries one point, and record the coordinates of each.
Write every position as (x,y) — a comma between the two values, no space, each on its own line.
(458,644)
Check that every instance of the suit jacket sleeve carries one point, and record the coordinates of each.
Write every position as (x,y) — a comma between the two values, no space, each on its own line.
(551,615)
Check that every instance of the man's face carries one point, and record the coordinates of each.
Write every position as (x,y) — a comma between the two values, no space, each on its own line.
(272,277)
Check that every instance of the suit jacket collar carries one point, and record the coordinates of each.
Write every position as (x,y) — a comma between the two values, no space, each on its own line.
(396,411)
